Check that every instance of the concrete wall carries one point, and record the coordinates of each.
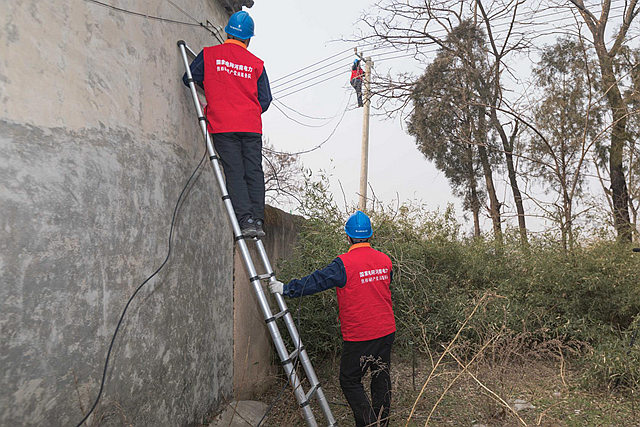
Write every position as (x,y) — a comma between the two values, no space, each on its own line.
(254,370)
(97,138)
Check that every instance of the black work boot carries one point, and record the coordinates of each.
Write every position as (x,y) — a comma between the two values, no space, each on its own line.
(259,231)
(248,228)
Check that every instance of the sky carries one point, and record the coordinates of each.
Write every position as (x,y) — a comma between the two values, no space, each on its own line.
(290,35)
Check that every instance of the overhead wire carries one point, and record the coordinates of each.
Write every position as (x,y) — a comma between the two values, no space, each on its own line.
(309,72)
(333,131)
(301,114)
(322,60)
(282,93)
(297,121)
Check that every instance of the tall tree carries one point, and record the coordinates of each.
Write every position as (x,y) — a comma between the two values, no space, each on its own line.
(568,119)
(415,26)
(499,51)
(630,65)
(449,122)
(618,108)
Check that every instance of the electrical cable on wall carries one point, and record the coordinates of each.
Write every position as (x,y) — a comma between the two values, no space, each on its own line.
(158,18)
(124,311)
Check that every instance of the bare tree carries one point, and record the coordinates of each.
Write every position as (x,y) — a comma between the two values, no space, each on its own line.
(618,108)
(417,26)
(569,117)
(283,176)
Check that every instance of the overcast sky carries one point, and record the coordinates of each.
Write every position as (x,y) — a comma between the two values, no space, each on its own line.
(292,34)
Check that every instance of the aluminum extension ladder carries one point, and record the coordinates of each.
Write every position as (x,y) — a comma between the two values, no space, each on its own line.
(286,358)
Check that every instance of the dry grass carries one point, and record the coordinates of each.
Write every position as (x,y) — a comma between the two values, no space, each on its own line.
(476,395)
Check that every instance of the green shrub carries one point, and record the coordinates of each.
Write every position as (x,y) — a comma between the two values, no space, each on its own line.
(547,299)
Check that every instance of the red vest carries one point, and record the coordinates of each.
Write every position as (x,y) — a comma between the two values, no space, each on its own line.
(357,73)
(231,86)
(366,311)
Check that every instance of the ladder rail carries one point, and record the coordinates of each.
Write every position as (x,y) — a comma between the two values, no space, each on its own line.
(246,257)
(293,332)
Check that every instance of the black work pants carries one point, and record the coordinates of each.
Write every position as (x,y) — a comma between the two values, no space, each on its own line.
(241,157)
(357,357)
(357,85)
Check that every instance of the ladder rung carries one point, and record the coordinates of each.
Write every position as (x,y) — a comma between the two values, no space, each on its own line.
(277,316)
(266,276)
(293,355)
(312,391)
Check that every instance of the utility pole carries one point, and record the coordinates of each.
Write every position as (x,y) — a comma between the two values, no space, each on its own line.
(364,164)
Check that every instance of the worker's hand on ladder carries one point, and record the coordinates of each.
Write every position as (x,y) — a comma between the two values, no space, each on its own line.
(276,287)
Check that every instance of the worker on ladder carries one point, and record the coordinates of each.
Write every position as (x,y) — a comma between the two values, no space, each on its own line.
(357,73)
(362,277)
(237,89)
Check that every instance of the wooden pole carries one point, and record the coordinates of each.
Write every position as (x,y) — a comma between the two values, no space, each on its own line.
(364,165)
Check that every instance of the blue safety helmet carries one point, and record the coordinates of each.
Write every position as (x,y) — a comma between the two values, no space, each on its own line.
(240,25)
(356,61)
(358,226)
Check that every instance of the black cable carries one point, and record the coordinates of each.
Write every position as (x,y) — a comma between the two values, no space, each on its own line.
(321,61)
(297,121)
(156,18)
(115,333)
(403,56)
(341,60)
(340,73)
(215,34)
(346,108)
(301,114)
(144,15)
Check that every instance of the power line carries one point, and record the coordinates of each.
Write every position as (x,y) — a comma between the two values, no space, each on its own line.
(297,121)
(301,114)
(344,112)
(321,61)
(341,73)
(312,71)
(340,67)
(435,49)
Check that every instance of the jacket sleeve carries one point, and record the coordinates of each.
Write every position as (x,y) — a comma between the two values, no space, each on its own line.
(333,275)
(264,91)
(197,70)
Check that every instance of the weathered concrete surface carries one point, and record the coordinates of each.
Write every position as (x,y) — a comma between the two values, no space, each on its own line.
(253,359)
(98,137)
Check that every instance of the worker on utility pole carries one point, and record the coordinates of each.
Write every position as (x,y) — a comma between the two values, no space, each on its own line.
(357,73)
(362,277)
(237,89)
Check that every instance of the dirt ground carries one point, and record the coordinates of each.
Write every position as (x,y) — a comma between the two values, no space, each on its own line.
(536,393)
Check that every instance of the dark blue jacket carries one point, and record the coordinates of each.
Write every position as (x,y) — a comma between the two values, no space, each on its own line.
(332,276)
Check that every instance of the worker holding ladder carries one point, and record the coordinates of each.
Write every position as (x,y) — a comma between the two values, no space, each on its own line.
(362,277)
(237,90)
